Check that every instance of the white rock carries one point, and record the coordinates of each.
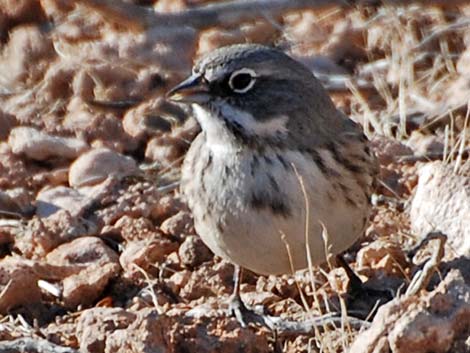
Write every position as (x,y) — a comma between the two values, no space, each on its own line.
(50,201)
(422,144)
(432,322)
(40,146)
(442,203)
(98,164)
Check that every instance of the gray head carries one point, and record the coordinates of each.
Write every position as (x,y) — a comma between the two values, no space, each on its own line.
(260,93)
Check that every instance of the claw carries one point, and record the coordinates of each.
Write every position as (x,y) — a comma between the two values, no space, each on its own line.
(237,307)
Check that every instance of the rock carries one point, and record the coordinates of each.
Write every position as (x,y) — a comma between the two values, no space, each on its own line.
(207,281)
(38,145)
(166,206)
(214,38)
(49,201)
(8,205)
(259,31)
(23,11)
(442,203)
(164,6)
(144,254)
(178,280)
(23,197)
(193,252)
(40,236)
(424,145)
(83,251)
(152,332)
(178,225)
(430,323)
(56,177)
(303,27)
(133,229)
(382,255)
(26,56)
(389,150)
(18,284)
(97,165)
(166,150)
(14,171)
(188,130)
(86,287)
(135,200)
(95,263)
(7,122)
(95,324)
(152,117)
(103,127)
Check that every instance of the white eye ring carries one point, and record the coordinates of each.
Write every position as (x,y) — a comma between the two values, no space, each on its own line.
(241,72)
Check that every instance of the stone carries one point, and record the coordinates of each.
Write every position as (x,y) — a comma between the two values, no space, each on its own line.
(7,122)
(26,56)
(144,254)
(442,203)
(420,324)
(178,225)
(18,284)
(193,252)
(424,145)
(95,324)
(49,201)
(8,205)
(95,265)
(38,145)
(382,255)
(41,235)
(153,332)
(97,165)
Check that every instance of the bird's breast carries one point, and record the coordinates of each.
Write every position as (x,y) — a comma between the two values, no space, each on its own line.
(251,207)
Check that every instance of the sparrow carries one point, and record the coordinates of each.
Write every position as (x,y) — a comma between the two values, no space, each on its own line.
(278,178)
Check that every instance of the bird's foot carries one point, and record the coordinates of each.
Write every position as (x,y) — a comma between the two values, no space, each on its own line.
(245,315)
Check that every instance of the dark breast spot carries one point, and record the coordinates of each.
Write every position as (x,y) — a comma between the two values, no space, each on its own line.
(318,161)
(254,165)
(343,160)
(273,183)
(205,169)
(282,161)
(275,204)
(268,160)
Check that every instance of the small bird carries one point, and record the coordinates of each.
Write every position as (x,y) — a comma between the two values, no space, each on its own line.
(275,166)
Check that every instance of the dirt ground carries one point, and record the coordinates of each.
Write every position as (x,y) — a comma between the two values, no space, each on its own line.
(98,252)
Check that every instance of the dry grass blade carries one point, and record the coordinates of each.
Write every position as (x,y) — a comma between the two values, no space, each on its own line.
(463,141)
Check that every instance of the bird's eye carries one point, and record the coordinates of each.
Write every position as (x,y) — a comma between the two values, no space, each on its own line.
(242,80)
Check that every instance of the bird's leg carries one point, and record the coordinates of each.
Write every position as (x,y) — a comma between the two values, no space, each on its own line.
(236,306)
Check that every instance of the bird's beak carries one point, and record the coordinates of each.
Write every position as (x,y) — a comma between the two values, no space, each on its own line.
(191,90)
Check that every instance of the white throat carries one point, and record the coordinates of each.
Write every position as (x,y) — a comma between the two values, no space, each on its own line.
(217,133)
(218,138)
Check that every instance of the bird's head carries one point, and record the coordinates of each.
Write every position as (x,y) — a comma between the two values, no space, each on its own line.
(255,91)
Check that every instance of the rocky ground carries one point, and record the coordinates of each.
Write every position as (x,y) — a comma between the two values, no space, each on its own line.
(97,249)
